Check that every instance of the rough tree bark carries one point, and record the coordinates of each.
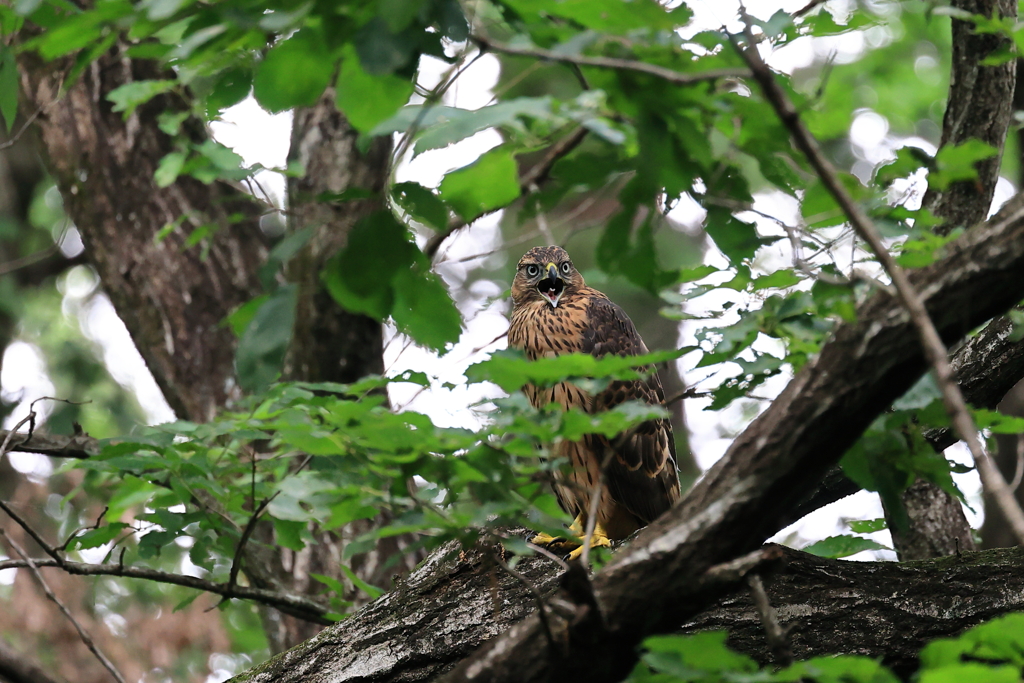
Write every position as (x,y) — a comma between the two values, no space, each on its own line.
(649,586)
(449,605)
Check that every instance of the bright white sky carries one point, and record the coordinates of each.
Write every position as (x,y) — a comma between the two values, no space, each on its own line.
(263,138)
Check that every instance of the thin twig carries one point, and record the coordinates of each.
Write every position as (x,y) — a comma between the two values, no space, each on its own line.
(934,349)
(674,77)
(534,176)
(778,637)
(1018,473)
(21,131)
(82,633)
(542,610)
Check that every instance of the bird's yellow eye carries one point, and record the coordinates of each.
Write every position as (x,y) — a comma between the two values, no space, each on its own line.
(566,268)
(532,270)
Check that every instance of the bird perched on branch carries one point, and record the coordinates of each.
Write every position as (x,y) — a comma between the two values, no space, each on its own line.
(554,312)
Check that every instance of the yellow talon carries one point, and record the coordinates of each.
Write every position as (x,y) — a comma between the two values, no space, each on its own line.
(573,547)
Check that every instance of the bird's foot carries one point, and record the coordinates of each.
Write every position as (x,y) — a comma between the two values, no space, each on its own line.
(598,540)
(571,548)
(559,545)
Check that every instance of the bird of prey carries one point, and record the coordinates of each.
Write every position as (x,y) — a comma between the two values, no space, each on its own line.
(553,313)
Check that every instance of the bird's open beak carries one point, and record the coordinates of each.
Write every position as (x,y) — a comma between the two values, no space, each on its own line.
(551,287)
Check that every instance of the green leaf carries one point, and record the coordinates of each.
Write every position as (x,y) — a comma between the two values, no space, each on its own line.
(997,422)
(367,99)
(842,546)
(294,73)
(231,87)
(973,672)
(866,526)
(359,277)
(490,182)
(8,86)
(837,669)
(372,591)
(684,656)
(421,204)
(510,370)
(94,538)
(239,319)
(609,16)
(459,124)
(737,239)
(780,279)
(956,163)
(130,96)
(170,167)
(261,349)
(424,310)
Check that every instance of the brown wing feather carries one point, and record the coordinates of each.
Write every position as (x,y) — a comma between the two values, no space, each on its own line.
(642,475)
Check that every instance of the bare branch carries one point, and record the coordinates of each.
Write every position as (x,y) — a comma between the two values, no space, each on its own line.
(674,77)
(777,636)
(295,605)
(79,447)
(82,633)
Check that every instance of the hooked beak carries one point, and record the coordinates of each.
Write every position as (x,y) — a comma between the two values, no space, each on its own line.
(551,287)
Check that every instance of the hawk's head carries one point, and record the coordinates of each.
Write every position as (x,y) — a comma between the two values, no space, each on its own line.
(545,274)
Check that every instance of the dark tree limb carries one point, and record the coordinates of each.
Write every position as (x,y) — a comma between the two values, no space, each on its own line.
(18,668)
(878,609)
(786,450)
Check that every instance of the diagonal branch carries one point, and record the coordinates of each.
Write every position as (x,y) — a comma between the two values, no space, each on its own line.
(935,350)
(653,585)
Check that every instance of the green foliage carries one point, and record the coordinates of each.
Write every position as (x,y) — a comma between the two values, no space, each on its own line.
(332,454)
(993,651)
(842,546)
(487,184)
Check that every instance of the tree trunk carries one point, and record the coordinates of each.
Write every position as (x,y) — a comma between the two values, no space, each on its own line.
(172,300)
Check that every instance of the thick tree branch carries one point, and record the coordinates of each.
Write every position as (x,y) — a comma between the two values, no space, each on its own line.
(878,609)
(649,587)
